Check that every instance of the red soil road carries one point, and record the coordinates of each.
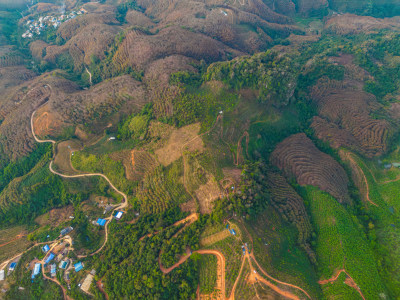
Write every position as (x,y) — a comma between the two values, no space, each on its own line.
(100,287)
(66,297)
(232,295)
(14,239)
(269,276)
(221,265)
(349,281)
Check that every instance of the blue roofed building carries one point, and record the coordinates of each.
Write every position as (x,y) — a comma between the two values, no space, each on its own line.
(12,266)
(78,266)
(36,270)
(101,222)
(45,248)
(49,258)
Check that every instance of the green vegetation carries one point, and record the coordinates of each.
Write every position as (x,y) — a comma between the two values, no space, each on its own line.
(38,289)
(276,248)
(103,164)
(207,273)
(129,267)
(33,194)
(162,189)
(382,222)
(22,166)
(188,239)
(341,244)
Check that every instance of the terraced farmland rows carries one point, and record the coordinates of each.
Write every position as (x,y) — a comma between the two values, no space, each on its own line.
(291,206)
(158,191)
(298,156)
(346,118)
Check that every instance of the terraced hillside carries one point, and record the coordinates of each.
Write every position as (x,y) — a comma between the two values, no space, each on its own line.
(345,118)
(298,157)
(291,207)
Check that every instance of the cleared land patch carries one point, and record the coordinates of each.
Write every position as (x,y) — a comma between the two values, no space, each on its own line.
(185,138)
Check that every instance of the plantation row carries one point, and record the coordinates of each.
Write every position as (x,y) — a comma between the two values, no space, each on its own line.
(298,156)
(349,121)
(162,189)
(291,207)
(341,244)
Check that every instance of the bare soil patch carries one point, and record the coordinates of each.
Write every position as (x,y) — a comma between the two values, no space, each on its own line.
(47,123)
(185,138)
(55,216)
(207,194)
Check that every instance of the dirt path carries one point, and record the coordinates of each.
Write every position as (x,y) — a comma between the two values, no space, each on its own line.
(181,261)
(349,281)
(232,295)
(239,147)
(348,156)
(220,268)
(266,274)
(90,76)
(57,282)
(14,239)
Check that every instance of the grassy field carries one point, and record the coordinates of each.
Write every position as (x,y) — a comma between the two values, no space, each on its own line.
(341,244)
(207,273)
(277,251)
(114,170)
(7,250)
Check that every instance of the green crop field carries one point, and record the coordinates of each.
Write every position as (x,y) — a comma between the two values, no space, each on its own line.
(277,251)
(341,244)
(384,224)
(231,249)
(207,273)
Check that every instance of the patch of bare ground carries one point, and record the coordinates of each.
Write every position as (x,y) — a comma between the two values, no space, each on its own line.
(189,206)
(185,138)
(47,123)
(298,156)
(207,193)
(55,216)
(62,159)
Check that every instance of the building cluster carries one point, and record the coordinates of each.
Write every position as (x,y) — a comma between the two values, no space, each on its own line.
(36,27)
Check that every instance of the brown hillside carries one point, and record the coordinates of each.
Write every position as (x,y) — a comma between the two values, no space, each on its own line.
(160,70)
(138,49)
(352,24)
(297,156)
(345,118)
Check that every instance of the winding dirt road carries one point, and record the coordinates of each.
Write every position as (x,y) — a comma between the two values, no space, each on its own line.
(123,205)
